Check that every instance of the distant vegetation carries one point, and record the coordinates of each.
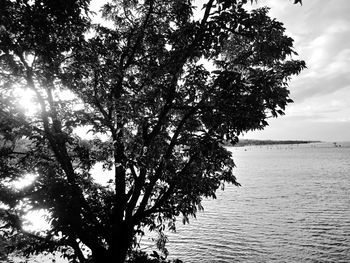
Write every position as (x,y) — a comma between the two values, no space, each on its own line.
(247,142)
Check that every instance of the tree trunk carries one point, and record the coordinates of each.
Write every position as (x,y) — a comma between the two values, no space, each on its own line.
(122,241)
(100,258)
(119,256)
(116,255)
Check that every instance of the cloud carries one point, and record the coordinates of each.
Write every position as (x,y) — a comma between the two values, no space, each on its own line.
(321,30)
(322,33)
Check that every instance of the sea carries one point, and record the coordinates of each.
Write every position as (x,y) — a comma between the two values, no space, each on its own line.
(293,206)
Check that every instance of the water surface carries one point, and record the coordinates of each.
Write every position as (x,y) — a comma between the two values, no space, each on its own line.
(293,206)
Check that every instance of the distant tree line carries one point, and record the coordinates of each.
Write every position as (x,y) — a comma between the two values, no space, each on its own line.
(247,142)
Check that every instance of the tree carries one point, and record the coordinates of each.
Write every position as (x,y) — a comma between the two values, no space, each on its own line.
(158,115)
(2,249)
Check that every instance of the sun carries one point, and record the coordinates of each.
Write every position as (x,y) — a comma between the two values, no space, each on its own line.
(26,101)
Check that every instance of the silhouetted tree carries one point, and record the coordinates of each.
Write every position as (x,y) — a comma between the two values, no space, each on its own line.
(159,115)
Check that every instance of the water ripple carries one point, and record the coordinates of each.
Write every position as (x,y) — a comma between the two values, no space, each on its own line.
(294,206)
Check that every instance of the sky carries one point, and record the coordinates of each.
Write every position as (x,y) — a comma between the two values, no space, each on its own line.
(321,93)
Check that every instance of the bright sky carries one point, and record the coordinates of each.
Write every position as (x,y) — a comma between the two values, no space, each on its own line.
(321,93)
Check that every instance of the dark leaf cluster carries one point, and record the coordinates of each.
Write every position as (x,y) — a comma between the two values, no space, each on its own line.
(144,103)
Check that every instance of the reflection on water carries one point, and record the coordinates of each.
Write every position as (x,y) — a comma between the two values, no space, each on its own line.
(293,206)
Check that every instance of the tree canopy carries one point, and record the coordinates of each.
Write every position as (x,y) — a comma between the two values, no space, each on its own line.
(160,88)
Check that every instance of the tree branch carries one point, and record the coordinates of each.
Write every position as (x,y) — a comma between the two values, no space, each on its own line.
(59,148)
(139,38)
(163,161)
(167,194)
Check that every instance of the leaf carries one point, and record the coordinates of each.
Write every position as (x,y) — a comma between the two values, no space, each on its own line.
(149,100)
(298,1)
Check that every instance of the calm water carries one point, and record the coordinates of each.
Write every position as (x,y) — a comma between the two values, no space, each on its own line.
(293,206)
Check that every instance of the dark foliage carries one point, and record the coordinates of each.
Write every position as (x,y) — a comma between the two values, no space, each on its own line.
(159,116)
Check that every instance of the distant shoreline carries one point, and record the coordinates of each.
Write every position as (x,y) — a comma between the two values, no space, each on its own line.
(249,142)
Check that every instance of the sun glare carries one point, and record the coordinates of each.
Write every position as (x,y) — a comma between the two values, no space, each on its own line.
(25,181)
(36,221)
(26,101)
